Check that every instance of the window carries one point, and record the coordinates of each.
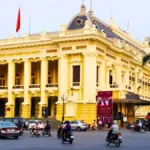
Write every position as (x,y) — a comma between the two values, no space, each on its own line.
(76,74)
(2,80)
(17,79)
(49,77)
(110,77)
(33,79)
(97,74)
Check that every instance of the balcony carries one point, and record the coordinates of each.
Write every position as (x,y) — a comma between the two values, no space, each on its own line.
(52,88)
(34,89)
(3,90)
(3,87)
(18,87)
(76,84)
(34,86)
(114,86)
(52,85)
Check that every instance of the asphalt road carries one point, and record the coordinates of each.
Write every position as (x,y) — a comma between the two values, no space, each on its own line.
(90,140)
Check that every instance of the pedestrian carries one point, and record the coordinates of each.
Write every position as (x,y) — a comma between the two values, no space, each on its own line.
(99,125)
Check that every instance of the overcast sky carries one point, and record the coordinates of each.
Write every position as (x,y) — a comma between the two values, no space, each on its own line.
(48,15)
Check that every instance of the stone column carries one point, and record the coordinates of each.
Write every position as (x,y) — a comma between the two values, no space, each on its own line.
(89,78)
(62,77)
(11,82)
(102,76)
(27,98)
(44,80)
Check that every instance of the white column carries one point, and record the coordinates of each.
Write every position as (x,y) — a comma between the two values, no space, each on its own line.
(27,80)
(44,79)
(11,81)
(90,78)
(62,76)
(102,76)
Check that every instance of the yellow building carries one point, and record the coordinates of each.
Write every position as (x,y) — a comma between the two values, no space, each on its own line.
(84,57)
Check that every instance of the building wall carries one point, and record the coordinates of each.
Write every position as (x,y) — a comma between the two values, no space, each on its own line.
(59,52)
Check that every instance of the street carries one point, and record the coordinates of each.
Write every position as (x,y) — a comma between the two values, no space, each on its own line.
(90,140)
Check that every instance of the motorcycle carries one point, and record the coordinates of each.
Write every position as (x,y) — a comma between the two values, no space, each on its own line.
(68,138)
(114,139)
(136,128)
(35,132)
(46,132)
(59,132)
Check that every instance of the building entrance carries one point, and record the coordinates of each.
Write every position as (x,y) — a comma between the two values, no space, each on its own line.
(18,107)
(2,107)
(35,106)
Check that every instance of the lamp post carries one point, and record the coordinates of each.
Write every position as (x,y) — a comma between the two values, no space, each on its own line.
(63,111)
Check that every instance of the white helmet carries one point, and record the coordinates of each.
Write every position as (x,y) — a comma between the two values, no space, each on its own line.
(115,121)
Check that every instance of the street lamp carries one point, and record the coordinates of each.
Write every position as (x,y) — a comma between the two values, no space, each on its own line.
(63,99)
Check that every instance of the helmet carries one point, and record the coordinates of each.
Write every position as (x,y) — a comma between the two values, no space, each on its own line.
(115,122)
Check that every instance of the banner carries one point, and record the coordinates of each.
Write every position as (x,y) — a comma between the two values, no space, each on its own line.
(105,106)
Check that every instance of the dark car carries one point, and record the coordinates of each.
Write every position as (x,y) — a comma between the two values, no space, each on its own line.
(15,120)
(9,129)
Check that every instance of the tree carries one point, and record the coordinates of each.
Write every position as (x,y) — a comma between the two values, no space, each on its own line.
(145,59)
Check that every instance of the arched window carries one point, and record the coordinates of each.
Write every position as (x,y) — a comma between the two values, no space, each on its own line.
(49,77)
(33,78)
(2,80)
(17,79)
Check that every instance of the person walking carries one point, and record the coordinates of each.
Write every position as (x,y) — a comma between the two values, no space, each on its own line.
(99,125)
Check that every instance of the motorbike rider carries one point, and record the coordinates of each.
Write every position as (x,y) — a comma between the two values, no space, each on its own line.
(114,129)
(140,125)
(66,129)
(35,128)
(48,126)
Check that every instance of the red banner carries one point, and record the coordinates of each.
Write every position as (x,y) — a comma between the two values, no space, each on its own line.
(105,106)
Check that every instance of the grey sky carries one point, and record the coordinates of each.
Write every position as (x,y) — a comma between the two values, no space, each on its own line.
(48,15)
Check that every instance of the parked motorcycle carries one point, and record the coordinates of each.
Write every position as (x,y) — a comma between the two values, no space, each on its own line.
(114,139)
(68,138)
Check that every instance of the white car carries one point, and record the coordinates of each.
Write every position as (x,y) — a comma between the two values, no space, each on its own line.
(31,123)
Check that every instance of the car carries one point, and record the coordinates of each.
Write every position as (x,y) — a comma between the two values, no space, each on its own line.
(31,123)
(14,120)
(9,129)
(79,125)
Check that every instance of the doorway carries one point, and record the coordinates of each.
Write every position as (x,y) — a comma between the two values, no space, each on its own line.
(35,106)
(2,106)
(18,108)
(52,106)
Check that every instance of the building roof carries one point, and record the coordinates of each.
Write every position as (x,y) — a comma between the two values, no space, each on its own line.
(78,22)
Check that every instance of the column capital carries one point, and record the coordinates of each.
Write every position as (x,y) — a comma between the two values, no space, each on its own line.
(25,59)
(61,56)
(43,58)
(10,61)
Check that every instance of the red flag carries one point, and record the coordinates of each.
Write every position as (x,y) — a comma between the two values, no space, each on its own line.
(18,21)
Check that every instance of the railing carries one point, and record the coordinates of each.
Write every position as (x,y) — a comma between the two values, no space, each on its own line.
(52,85)
(18,87)
(3,87)
(76,83)
(114,86)
(34,86)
